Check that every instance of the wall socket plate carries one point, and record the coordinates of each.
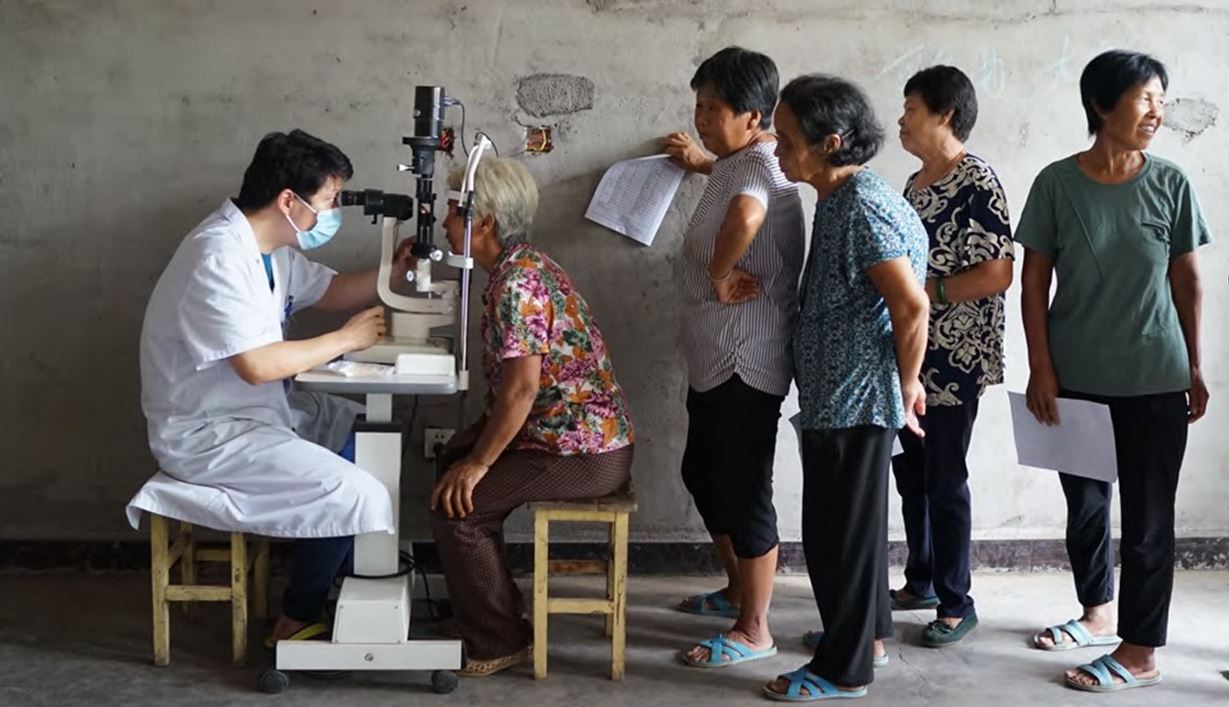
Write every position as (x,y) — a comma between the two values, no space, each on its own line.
(433,436)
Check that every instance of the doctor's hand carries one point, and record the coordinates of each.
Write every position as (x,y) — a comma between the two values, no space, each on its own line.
(454,492)
(684,152)
(403,262)
(364,329)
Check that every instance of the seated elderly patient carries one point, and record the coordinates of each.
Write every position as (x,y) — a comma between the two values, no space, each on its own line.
(556,424)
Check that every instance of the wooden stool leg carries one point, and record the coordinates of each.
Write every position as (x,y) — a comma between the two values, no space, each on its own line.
(260,580)
(619,639)
(159,573)
(187,564)
(239,598)
(541,580)
(610,579)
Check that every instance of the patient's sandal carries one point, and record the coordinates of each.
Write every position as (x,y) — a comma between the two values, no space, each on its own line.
(482,668)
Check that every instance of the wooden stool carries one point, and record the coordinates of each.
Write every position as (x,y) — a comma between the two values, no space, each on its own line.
(164,555)
(613,510)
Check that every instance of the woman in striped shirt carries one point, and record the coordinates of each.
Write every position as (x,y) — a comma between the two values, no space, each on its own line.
(742,255)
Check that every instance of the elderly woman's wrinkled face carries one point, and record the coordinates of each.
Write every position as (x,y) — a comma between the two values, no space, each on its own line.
(721,130)
(454,229)
(799,161)
(1137,116)
(922,131)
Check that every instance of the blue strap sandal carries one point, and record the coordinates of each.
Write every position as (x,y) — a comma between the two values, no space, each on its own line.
(817,688)
(723,652)
(1101,669)
(711,604)
(1080,637)
(811,640)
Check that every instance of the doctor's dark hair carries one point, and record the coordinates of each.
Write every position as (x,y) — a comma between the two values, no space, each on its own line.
(744,79)
(827,105)
(296,161)
(1111,74)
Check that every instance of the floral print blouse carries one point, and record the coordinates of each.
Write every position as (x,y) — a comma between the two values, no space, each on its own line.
(531,308)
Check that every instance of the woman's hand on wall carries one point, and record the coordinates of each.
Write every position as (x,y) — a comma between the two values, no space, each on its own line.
(684,152)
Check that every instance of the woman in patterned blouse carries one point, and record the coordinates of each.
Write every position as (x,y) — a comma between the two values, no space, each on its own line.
(556,425)
(961,203)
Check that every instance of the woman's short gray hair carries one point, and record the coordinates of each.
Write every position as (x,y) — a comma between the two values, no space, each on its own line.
(504,190)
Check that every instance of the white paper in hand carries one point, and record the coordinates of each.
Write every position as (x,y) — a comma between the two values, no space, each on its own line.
(634,195)
(1081,445)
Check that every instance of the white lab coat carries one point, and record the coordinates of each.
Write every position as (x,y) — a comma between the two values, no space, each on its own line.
(235,456)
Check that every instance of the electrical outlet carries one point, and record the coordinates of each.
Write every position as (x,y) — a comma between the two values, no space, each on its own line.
(433,436)
(538,140)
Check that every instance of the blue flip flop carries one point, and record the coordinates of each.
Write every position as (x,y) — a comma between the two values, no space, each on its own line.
(816,687)
(1101,669)
(700,606)
(811,640)
(1080,637)
(723,652)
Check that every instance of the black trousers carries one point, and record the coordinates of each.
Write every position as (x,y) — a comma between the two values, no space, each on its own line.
(1150,441)
(314,566)
(845,539)
(727,464)
(932,479)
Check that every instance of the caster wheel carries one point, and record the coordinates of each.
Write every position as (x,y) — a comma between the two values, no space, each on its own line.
(443,682)
(275,682)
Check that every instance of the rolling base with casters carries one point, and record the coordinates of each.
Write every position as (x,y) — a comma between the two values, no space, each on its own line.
(372,621)
(275,682)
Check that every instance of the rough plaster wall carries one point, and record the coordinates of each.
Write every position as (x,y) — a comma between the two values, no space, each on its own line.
(123,124)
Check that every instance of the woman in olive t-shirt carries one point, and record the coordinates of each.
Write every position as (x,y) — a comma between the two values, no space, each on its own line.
(1120,229)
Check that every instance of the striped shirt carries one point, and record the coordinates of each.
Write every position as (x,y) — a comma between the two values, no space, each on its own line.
(751,339)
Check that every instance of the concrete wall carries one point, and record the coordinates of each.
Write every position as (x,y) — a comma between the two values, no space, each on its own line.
(123,123)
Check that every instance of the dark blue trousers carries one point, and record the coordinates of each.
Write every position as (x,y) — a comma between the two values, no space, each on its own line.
(932,479)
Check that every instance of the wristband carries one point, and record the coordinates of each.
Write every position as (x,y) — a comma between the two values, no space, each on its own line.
(940,291)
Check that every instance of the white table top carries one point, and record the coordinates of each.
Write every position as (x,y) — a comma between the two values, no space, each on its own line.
(392,384)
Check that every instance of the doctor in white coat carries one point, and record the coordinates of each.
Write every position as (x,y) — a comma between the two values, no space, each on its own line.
(239,449)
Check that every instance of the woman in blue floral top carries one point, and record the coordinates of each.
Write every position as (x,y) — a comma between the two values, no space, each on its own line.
(858,351)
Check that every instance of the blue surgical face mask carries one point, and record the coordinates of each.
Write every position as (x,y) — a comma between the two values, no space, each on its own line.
(327,224)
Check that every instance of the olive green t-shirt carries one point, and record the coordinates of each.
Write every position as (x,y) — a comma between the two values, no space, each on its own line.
(1114,329)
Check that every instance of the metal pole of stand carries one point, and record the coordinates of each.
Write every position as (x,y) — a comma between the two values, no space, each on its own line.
(466,276)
